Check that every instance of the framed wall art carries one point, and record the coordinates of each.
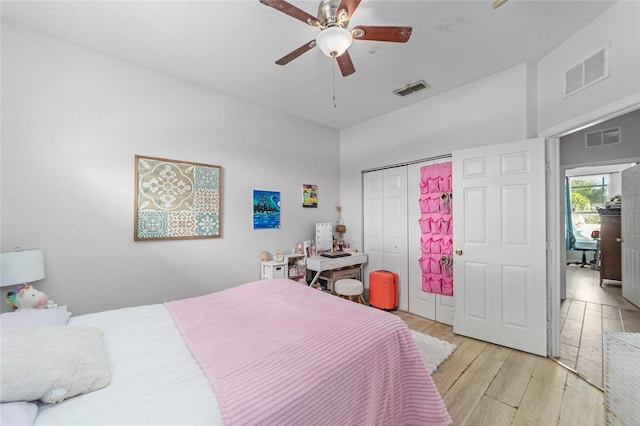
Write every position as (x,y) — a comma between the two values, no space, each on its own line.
(176,199)
(266,209)
(309,195)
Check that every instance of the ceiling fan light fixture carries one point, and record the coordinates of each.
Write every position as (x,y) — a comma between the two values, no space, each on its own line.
(334,41)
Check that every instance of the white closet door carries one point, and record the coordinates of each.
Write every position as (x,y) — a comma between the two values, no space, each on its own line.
(445,306)
(373,221)
(392,237)
(385,225)
(395,255)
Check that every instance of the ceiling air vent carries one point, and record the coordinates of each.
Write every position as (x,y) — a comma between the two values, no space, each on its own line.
(411,88)
(588,72)
(602,137)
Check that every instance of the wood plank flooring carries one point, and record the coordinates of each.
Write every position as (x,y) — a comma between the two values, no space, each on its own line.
(485,384)
(588,311)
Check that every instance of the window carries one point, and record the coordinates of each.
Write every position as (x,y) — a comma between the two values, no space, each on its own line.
(587,194)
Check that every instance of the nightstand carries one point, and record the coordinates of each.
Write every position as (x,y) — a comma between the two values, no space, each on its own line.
(55,306)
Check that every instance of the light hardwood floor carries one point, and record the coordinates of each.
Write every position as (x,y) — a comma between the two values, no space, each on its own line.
(485,384)
(589,311)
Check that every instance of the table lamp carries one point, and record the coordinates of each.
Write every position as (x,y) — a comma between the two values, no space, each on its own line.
(21,267)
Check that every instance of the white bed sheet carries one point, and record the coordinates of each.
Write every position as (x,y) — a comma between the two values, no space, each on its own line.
(154,378)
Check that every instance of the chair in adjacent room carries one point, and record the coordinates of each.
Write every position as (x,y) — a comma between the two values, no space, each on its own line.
(584,247)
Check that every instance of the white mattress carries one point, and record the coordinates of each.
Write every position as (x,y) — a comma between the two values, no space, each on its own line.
(154,378)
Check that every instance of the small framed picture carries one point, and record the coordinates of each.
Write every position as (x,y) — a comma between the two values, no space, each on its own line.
(266,209)
(309,195)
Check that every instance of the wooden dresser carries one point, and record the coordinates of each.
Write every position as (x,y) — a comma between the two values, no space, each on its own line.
(610,247)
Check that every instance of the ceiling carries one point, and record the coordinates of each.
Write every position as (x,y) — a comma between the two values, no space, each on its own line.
(231,46)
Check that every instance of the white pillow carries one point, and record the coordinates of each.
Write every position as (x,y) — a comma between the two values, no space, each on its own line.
(32,317)
(18,413)
(51,363)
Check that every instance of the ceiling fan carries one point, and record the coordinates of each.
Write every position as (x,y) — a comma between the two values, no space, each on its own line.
(498,3)
(334,39)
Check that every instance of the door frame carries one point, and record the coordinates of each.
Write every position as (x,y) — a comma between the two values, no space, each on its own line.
(555,197)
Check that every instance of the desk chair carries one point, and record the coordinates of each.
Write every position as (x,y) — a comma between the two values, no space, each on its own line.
(584,247)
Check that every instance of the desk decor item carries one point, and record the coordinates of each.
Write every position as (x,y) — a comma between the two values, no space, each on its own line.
(340,226)
(176,199)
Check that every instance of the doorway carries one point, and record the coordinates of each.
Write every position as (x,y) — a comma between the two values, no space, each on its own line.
(588,309)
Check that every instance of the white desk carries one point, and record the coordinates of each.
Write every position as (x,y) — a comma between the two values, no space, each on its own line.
(321,263)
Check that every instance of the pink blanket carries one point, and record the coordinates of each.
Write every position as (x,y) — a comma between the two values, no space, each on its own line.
(278,353)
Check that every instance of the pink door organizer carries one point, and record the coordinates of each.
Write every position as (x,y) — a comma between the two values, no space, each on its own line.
(437,229)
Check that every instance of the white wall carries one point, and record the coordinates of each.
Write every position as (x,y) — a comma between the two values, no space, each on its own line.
(72,121)
(488,111)
(617,27)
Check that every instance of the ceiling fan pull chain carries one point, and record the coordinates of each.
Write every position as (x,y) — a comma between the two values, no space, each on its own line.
(333,75)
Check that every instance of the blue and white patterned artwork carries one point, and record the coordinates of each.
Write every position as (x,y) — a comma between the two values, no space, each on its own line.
(176,199)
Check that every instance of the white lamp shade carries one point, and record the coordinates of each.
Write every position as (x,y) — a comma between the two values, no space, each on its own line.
(20,267)
(333,41)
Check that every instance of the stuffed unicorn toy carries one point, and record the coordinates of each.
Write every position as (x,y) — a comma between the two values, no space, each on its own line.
(30,298)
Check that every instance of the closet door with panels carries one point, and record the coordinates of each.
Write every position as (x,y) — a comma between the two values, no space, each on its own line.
(392,237)
(385,225)
(373,220)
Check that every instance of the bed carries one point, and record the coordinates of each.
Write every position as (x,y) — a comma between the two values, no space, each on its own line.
(267,352)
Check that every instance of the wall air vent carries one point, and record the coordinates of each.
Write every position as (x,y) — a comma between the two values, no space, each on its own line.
(588,72)
(411,88)
(602,137)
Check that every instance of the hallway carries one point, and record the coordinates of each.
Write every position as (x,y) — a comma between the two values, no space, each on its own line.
(588,311)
